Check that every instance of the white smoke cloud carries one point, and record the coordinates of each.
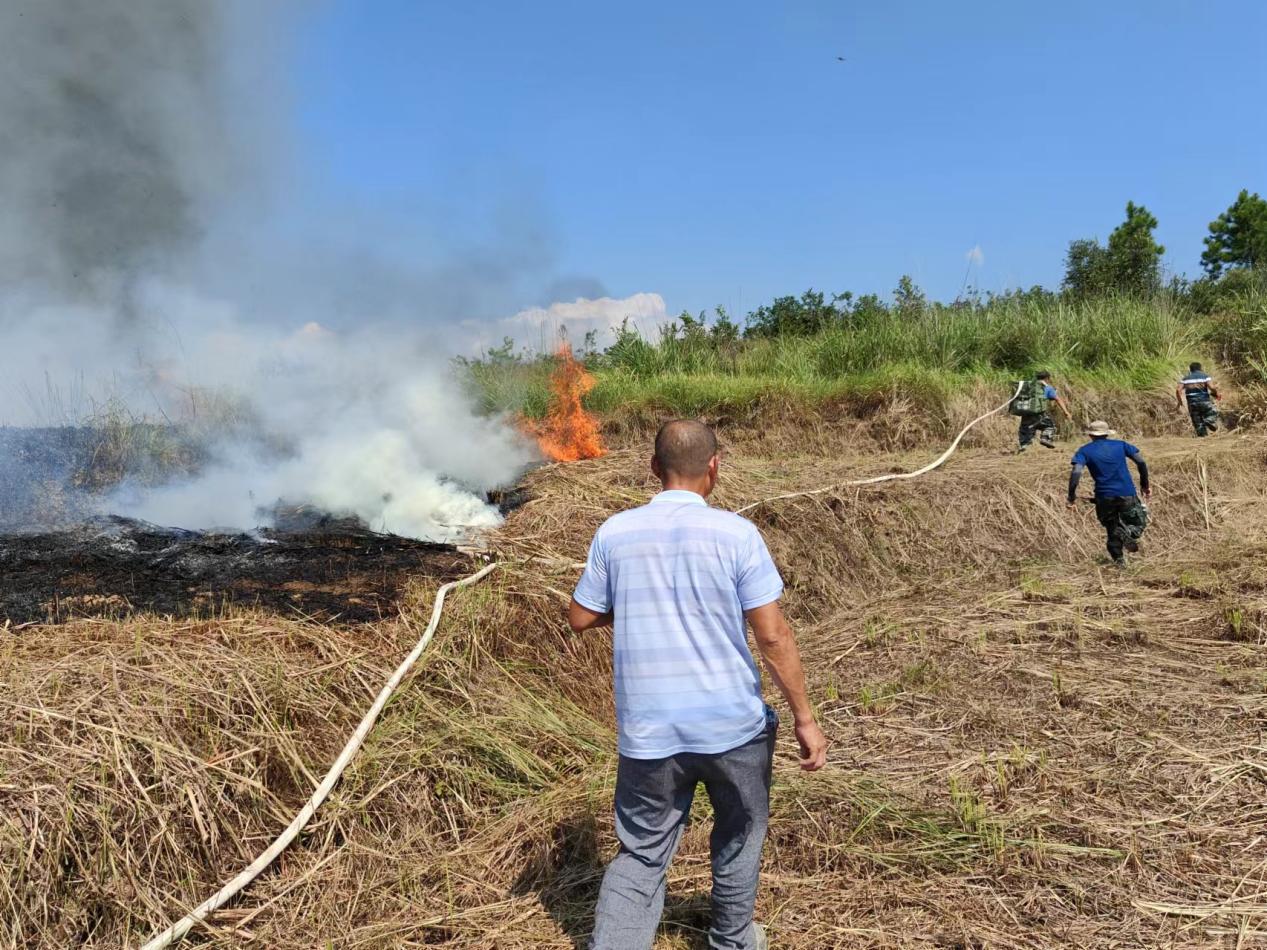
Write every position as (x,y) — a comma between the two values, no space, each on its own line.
(368,421)
(541,328)
(975,257)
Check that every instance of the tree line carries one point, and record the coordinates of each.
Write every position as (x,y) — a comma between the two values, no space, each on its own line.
(1129,264)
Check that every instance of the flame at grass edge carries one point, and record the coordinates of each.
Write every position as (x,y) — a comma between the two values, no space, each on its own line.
(568,433)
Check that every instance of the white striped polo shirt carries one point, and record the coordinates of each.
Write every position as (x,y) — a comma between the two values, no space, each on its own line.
(678,576)
(1196,387)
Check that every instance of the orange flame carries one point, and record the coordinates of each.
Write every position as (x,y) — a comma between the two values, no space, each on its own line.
(569,433)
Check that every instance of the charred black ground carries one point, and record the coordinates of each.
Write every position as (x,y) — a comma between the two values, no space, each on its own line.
(328,568)
(62,555)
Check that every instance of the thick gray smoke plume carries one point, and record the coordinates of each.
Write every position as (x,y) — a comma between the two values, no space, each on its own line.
(123,146)
(111,135)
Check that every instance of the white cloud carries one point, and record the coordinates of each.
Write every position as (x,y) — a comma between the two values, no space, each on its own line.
(976,256)
(540,328)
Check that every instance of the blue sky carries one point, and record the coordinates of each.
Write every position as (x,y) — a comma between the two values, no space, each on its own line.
(718,152)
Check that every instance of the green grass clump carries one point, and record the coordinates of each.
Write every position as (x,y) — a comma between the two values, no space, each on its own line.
(1241,335)
(518,385)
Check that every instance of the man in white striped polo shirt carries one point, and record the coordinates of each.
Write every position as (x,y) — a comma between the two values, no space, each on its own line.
(681,582)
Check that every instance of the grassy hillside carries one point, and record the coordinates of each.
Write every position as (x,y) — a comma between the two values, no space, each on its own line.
(924,356)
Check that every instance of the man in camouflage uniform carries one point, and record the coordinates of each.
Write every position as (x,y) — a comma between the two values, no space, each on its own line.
(1042,424)
(1198,392)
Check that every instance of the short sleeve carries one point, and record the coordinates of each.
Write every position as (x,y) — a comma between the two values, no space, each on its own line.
(758,580)
(1050,392)
(1080,458)
(593,590)
(1131,451)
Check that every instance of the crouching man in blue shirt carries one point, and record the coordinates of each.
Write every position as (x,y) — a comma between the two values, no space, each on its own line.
(1116,505)
(681,582)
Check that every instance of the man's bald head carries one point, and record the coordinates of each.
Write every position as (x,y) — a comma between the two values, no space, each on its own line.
(684,448)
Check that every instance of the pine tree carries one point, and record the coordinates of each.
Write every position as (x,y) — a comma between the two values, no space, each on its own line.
(1130,264)
(1238,237)
(1134,256)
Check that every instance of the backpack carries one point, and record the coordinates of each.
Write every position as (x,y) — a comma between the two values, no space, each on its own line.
(1031,400)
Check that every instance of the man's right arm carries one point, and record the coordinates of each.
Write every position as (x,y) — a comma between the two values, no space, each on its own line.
(591,606)
(1075,476)
(1180,395)
(582,618)
(777,645)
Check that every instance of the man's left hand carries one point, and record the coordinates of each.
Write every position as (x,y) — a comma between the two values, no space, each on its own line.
(813,746)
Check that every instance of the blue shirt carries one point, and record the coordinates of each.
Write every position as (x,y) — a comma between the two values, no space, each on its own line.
(1049,391)
(1106,459)
(678,576)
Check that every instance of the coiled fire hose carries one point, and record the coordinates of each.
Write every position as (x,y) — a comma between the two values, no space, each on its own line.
(178,930)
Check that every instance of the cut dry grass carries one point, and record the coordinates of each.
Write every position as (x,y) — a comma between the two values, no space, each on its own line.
(1064,755)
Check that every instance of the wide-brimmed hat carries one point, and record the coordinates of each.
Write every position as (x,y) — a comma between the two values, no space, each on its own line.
(1099,428)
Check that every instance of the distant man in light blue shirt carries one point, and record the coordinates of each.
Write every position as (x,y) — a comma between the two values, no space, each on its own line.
(681,582)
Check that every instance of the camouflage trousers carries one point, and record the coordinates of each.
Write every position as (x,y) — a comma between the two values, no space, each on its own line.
(1124,521)
(1042,425)
(1205,417)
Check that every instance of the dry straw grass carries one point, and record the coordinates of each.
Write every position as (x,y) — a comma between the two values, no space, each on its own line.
(1030,750)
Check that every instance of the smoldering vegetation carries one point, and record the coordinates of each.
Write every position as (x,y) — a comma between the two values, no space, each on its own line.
(149,384)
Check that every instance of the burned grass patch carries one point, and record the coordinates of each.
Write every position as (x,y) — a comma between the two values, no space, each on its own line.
(114,567)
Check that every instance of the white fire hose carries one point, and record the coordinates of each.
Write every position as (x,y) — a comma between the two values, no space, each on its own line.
(178,930)
(875,480)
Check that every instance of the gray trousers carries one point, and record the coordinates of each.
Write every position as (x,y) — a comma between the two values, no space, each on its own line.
(653,800)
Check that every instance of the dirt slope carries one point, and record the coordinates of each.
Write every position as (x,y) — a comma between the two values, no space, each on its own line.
(1031,749)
